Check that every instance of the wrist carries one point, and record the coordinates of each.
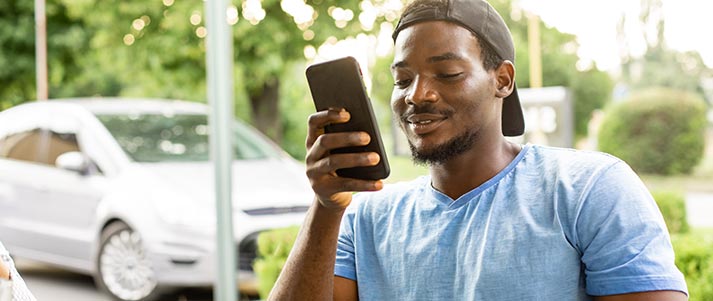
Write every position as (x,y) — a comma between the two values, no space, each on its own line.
(328,208)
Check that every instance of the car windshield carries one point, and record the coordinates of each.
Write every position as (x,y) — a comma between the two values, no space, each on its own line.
(180,137)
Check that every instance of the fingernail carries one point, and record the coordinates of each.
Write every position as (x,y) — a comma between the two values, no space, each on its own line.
(373,157)
(378,185)
(364,137)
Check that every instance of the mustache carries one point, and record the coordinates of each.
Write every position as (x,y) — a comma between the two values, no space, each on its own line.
(426,108)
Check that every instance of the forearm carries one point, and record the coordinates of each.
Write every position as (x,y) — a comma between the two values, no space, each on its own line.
(4,271)
(308,273)
(8,272)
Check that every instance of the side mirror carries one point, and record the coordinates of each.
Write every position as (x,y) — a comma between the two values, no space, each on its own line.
(74,161)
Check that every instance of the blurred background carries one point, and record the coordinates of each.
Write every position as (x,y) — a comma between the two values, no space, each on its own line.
(630,77)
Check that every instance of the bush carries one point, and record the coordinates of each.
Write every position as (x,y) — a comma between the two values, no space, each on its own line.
(657,131)
(695,259)
(592,89)
(673,207)
(273,247)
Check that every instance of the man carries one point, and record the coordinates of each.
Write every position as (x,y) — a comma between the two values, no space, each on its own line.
(19,291)
(494,220)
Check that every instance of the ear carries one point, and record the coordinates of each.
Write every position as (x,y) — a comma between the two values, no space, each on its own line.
(505,77)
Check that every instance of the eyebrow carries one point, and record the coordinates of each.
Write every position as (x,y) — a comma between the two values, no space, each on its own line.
(448,56)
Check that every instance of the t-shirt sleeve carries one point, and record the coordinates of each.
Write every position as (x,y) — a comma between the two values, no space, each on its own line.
(623,239)
(345,264)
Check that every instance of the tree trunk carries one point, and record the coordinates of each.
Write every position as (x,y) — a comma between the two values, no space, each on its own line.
(266,110)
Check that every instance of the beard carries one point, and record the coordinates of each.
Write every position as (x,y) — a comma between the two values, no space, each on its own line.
(445,151)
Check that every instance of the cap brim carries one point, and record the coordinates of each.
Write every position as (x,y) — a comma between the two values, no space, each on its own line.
(513,120)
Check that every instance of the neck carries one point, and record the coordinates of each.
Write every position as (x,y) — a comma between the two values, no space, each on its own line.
(471,169)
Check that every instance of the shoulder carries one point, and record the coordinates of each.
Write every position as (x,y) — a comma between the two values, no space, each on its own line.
(570,166)
(571,158)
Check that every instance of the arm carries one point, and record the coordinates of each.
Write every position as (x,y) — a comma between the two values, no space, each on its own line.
(624,242)
(308,273)
(8,272)
(646,296)
(4,271)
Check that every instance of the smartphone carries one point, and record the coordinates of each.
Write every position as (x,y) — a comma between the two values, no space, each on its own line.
(339,84)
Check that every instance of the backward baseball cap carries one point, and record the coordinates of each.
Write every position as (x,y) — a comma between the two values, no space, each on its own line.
(481,19)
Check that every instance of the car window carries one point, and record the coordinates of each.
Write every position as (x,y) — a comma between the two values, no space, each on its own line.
(21,146)
(57,144)
(38,146)
(180,137)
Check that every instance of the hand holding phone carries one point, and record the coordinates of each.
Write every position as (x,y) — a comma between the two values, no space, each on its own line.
(339,84)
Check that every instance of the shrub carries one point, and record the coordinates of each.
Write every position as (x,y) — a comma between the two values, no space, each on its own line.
(695,260)
(673,207)
(657,131)
(273,247)
(592,89)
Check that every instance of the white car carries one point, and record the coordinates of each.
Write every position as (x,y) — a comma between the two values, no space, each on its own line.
(122,189)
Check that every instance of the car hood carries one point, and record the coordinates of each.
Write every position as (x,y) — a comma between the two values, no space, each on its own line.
(269,183)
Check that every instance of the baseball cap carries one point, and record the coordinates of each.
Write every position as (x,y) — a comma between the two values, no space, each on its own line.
(480,18)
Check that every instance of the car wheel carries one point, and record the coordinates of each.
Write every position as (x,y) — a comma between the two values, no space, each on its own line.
(123,270)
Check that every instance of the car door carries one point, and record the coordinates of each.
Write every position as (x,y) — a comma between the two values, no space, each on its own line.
(73,196)
(21,191)
(56,208)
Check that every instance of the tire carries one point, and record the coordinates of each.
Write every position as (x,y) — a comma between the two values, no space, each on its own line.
(123,271)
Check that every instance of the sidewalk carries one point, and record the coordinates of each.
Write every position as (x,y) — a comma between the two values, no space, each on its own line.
(699,207)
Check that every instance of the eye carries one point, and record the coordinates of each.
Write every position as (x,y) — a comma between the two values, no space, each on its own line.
(449,75)
(402,83)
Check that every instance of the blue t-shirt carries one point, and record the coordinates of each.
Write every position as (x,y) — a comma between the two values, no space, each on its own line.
(555,224)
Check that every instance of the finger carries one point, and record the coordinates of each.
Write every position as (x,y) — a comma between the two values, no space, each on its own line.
(328,188)
(321,119)
(349,184)
(330,164)
(327,142)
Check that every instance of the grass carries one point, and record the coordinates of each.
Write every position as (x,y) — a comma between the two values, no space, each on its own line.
(701,180)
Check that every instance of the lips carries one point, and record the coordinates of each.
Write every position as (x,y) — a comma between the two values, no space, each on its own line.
(422,124)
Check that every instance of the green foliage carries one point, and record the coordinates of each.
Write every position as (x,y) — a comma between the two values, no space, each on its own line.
(94,48)
(295,106)
(657,131)
(273,248)
(660,66)
(673,207)
(592,90)
(695,260)
(149,49)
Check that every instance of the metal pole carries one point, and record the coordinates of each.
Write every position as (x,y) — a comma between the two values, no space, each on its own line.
(219,65)
(533,35)
(41,50)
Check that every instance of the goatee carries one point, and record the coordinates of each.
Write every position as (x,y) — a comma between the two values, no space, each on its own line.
(445,151)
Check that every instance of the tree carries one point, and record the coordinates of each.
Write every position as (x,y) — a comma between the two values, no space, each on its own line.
(156,48)
(660,66)
(266,47)
(66,38)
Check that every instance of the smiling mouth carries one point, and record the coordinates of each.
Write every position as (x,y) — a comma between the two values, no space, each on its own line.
(422,124)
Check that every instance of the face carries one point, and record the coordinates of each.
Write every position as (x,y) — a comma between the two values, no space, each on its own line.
(444,99)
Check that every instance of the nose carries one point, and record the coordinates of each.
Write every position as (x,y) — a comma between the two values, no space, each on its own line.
(422,90)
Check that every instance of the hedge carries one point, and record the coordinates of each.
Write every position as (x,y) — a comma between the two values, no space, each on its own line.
(673,207)
(658,131)
(694,257)
(273,247)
